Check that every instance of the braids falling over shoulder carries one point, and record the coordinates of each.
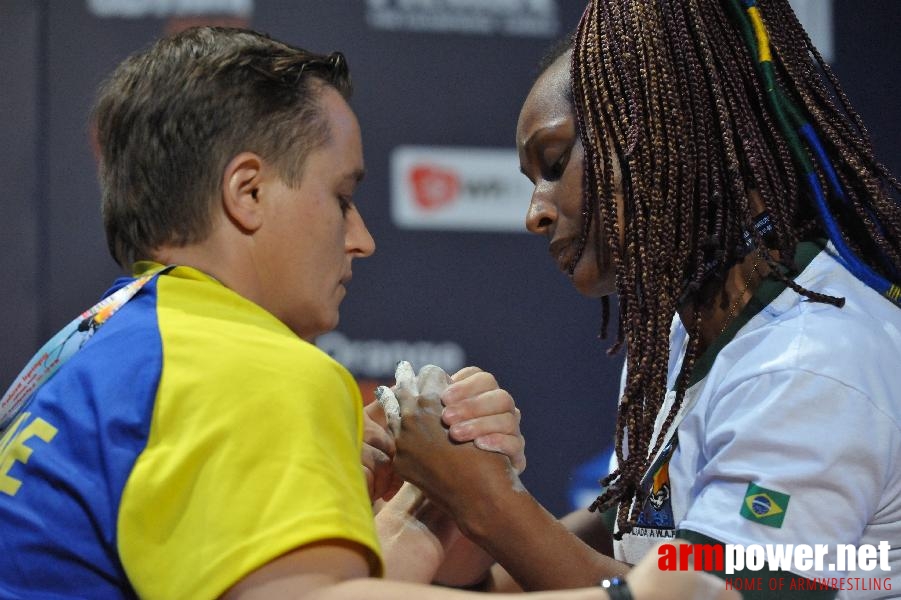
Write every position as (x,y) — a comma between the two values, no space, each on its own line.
(668,90)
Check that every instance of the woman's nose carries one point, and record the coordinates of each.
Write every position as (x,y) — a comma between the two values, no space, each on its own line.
(541,215)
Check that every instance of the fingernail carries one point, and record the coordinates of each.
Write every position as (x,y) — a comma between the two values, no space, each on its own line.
(460,430)
(450,414)
(478,443)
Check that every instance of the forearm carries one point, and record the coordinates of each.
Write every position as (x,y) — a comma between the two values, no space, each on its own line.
(421,543)
(592,528)
(415,536)
(376,589)
(532,545)
(483,493)
(466,565)
(588,526)
(336,570)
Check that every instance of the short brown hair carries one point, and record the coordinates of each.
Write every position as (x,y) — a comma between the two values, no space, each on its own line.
(170,118)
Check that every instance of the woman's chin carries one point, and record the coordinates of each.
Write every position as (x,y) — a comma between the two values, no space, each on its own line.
(590,285)
(590,281)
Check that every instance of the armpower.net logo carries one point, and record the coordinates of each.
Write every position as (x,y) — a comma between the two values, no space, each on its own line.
(786,567)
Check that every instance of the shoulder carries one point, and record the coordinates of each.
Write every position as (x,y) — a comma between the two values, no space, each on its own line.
(855,346)
(232,360)
(206,327)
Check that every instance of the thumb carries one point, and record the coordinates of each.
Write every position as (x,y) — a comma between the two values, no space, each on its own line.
(378,410)
(389,409)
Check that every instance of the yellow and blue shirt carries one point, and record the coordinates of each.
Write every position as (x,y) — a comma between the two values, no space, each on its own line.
(192,440)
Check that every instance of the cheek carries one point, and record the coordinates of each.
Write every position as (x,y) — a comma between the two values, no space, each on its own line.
(587,276)
(595,274)
(571,196)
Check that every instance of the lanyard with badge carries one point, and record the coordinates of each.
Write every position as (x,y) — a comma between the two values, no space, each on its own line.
(63,346)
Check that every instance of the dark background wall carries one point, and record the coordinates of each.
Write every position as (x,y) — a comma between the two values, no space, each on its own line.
(451,297)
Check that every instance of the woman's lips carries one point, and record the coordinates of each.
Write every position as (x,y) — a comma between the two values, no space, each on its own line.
(561,251)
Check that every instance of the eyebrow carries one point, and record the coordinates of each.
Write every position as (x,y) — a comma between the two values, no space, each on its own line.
(527,145)
(356,175)
(553,126)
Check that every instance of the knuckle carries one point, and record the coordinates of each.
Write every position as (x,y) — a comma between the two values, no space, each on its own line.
(367,453)
(465,411)
(464,373)
(480,381)
(500,441)
(374,457)
(496,426)
(490,379)
(408,411)
(463,431)
(382,460)
(503,423)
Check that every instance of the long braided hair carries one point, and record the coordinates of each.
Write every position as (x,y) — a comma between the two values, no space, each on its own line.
(672,91)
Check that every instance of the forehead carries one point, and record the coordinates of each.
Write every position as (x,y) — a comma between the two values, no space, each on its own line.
(548,99)
(342,122)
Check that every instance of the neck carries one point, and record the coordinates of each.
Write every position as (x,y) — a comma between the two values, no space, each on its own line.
(219,256)
(737,289)
(728,300)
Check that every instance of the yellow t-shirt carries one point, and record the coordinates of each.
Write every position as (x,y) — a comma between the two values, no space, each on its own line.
(253,449)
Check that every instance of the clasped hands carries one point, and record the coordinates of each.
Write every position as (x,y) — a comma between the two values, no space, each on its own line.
(438,441)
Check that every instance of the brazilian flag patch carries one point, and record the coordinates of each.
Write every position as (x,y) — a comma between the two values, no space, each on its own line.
(764,506)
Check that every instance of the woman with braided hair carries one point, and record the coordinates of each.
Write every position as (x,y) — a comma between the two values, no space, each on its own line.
(699,159)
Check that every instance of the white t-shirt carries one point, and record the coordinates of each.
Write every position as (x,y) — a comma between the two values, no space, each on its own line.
(804,402)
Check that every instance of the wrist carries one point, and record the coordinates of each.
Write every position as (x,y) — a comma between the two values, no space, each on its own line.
(411,551)
(466,566)
(491,515)
(617,589)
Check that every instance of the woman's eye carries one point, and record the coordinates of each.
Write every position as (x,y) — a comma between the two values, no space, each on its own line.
(345,202)
(555,171)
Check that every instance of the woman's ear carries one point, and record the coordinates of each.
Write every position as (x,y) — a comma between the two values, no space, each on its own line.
(241,183)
